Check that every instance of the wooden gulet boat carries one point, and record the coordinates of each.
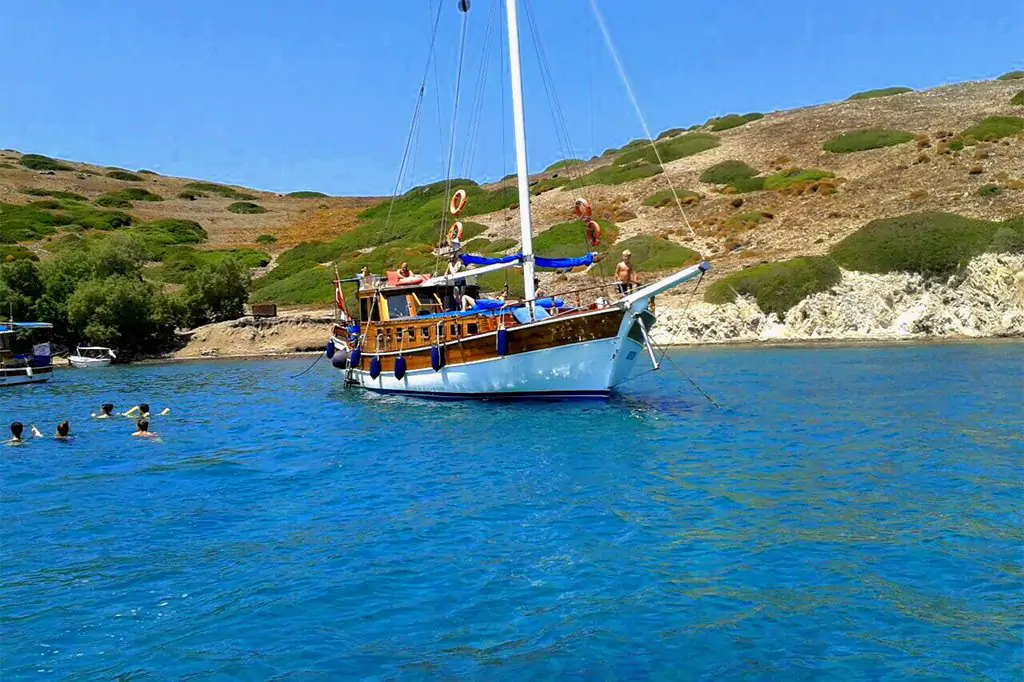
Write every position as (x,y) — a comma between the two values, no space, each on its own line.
(25,356)
(411,337)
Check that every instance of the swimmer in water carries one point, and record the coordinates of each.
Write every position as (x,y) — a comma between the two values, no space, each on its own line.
(143,432)
(106,411)
(17,428)
(63,431)
(143,410)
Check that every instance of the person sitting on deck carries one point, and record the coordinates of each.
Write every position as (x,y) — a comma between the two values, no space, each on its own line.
(106,411)
(143,432)
(625,275)
(468,302)
(404,271)
(537,291)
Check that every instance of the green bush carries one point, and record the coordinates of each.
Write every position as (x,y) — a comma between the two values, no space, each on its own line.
(795,176)
(191,194)
(216,292)
(178,262)
(93,219)
(55,193)
(266,239)
(1007,240)
(1018,99)
(651,254)
(989,190)
(313,284)
(932,244)
(134,194)
(993,128)
(862,140)
(159,234)
(745,221)
(6,166)
(493,283)
(777,287)
(125,175)
(226,192)
(670,149)
(744,185)
(43,163)
(1011,76)
(306,194)
(21,288)
(146,171)
(13,252)
(732,121)
(565,163)
(246,207)
(616,174)
(881,92)
(665,198)
(111,201)
(671,132)
(538,187)
(122,312)
(727,172)
(24,223)
(568,239)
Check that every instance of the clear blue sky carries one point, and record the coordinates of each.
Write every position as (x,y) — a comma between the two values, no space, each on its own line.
(319,94)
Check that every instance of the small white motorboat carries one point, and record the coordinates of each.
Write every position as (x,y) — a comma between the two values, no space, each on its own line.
(88,357)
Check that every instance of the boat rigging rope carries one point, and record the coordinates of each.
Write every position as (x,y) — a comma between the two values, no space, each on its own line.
(296,376)
(643,121)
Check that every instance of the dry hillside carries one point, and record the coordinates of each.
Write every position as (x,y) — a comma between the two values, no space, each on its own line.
(922,174)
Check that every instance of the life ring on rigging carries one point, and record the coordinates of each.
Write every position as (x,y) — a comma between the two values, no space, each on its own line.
(593,233)
(458,202)
(455,233)
(581,207)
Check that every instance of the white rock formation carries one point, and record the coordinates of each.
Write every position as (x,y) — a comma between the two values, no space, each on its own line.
(985,299)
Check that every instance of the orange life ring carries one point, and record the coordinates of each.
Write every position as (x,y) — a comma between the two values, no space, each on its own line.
(455,232)
(581,207)
(458,202)
(593,234)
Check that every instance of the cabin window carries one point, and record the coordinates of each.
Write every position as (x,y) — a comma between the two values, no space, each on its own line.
(472,328)
(454,330)
(398,306)
(369,310)
(425,333)
(410,335)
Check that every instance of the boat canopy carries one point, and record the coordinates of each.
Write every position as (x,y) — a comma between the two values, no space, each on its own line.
(8,327)
(540,261)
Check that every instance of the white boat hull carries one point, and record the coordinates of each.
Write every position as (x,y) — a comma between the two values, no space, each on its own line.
(25,375)
(79,362)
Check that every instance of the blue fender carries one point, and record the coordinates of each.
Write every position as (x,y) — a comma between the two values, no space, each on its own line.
(355,357)
(502,342)
(375,367)
(400,367)
(437,358)
(330,349)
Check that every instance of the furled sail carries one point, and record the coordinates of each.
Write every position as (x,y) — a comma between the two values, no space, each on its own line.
(540,261)
(468,259)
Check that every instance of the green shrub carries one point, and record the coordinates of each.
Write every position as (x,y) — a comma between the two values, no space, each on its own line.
(732,121)
(665,198)
(246,207)
(881,92)
(1011,76)
(671,132)
(191,194)
(136,194)
(159,234)
(93,219)
(565,163)
(45,203)
(993,128)
(266,239)
(306,194)
(24,223)
(670,149)
(314,284)
(216,292)
(13,252)
(727,172)
(1018,99)
(989,190)
(226,192)
(56,194)
(540,186)
(745,221)
(178,262)
(122,312)
(862,140)
(955,145)
(795,176)
(1007,240)
(651,254)
(6,166)
(111,201)
(43,163)
(744,185)
(146,171)
(933,244)
(124,175)
(777,287)
(493,283)
(616,174)
(502,245)
(568,239)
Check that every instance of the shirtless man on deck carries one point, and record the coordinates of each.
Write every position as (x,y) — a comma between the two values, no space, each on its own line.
(625,275)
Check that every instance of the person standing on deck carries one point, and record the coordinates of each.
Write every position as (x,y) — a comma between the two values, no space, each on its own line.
(625,275)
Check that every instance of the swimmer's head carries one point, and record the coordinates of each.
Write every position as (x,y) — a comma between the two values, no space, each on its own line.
(143,425)
(106,408)
(144,408)
(16,429)
(63,429)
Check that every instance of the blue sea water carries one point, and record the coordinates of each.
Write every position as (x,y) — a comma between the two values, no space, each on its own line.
(850,513)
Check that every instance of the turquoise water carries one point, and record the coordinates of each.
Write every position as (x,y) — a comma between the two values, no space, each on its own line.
(850,514)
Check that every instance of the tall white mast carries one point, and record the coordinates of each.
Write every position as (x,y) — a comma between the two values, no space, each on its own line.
(525,222)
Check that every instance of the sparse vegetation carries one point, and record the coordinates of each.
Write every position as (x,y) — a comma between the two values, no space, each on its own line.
(565,163)
(862,140)
(13,252)
(795,178)
(1012,76)
(568,239)
(880,92)
(993,128)
(127,176)
(989,190)
(178,262)
(191,194)
(266,239)
(246,207)
(651,254)
(213,188)
(146,171)
(123,198)
(1018,99)
(745,221)
(727,172)
(43,163)
(306,194)
(665,198)
(616,174)
(671,132)
(160,234)
(777,287)
(934,244)
(540,186)
(732,121)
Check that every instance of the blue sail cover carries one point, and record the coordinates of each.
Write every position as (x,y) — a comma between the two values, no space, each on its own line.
(559,263)
(468,259)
